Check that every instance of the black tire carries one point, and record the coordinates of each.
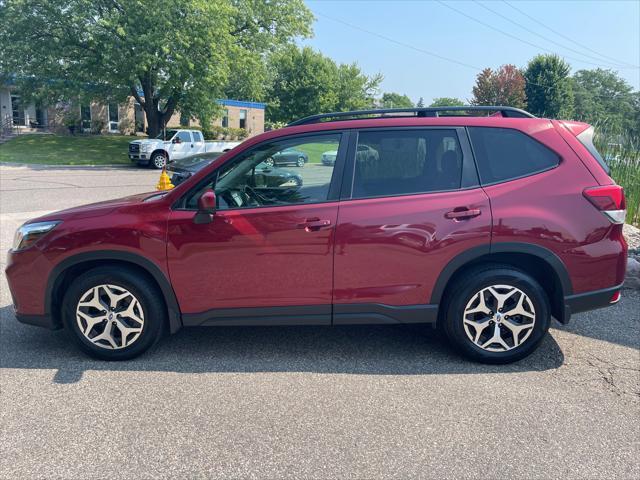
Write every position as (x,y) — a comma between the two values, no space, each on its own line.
(158,160)
(142,288)
(467,286)
(301,161)
(270,162)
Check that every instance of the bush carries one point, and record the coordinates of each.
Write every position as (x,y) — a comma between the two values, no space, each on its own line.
(126,126)
(217,132)
(97,126)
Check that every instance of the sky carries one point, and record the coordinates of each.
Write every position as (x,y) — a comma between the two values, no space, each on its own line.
(393,37)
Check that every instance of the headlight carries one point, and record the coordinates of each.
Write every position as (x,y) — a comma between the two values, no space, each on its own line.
(144,147)
(29,234)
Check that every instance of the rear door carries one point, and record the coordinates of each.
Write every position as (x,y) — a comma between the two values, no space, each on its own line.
(198,143)
(411,204)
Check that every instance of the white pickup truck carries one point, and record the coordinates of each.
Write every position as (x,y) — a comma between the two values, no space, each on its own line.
(171,145)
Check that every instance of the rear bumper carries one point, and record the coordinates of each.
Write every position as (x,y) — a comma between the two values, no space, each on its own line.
(583,302)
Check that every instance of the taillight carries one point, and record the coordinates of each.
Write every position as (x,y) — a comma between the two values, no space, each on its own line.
(609,199)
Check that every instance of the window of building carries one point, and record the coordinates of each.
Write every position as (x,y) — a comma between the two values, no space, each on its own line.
(404,162)
(17,110)
(113,117)
(503,154)
(85,117)
(243,119)
(225,118)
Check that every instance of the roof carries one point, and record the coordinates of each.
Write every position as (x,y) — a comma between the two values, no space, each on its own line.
(241,104)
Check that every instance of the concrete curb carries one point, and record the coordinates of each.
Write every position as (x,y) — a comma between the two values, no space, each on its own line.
(44,166)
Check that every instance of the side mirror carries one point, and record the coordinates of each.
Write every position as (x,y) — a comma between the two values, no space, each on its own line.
(206,207)
(176,140)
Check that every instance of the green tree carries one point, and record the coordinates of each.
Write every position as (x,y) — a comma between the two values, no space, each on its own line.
(601,96)
(169,54)
(420,103)
(505,86)
(305,82)
(447,102)
(548,87)
(395,100)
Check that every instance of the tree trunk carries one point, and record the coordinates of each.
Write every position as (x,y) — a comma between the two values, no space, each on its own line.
(156,116)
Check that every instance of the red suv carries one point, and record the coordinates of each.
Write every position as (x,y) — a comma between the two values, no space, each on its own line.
(485,225)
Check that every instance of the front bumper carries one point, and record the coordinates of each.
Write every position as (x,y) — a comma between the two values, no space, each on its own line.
(583,302)
(45,321)
(136,157)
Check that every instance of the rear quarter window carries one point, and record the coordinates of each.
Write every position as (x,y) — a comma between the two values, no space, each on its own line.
(504,154)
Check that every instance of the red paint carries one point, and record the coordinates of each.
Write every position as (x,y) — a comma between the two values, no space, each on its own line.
(385,250)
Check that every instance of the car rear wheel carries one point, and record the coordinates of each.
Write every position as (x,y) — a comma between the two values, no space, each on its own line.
(113,313)
(300,162)
(269,162)
(158,160)
(496,314)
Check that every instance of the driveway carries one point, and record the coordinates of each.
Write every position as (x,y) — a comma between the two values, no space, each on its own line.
(314,402)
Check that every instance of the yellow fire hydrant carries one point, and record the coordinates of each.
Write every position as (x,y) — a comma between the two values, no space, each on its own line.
(165,182)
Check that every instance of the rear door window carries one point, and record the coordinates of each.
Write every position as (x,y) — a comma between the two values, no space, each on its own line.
(504,154)
(405,162)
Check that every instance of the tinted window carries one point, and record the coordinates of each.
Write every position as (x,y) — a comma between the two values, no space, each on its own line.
(184,137)
(406,162)
(503,154)
(282,172)
(197,136)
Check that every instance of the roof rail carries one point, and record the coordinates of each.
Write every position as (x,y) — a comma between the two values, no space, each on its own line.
(511,112)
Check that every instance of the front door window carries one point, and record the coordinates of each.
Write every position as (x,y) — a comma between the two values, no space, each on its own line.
(276,173)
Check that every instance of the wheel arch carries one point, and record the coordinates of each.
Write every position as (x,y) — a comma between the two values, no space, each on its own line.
(159,150)
(537,261)
(64,273)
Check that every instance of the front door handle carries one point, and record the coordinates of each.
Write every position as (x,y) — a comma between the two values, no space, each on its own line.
(314,224)
(462,214)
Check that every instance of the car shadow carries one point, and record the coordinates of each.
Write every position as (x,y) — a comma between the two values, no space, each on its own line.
(356,350)
(92,168)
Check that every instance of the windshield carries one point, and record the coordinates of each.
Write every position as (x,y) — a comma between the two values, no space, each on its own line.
(169,135)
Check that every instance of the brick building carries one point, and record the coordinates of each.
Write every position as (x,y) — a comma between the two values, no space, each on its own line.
(127,117)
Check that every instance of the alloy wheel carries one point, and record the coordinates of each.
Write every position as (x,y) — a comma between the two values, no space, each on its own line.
(110,316)
(159,161)
(499,318)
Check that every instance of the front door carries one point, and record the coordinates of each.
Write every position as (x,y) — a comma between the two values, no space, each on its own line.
(267,256)
(414,206)
(181,145)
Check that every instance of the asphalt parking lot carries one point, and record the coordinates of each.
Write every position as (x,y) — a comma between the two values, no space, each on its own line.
(312,402)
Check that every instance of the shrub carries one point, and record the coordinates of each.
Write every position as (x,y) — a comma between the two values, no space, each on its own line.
(97,126)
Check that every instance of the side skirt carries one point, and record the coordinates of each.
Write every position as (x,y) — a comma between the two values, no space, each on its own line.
(343,314)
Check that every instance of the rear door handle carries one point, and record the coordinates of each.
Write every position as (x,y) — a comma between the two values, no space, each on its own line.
(314,224)
(462,214)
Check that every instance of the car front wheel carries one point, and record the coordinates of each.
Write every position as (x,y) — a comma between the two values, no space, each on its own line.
(300,162)
(113,313)
(158,160)
(496,314)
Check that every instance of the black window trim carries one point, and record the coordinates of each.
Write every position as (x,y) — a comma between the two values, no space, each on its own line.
(333,194)
(469,178)
(510,179)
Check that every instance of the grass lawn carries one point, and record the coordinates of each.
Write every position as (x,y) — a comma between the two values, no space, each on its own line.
(67,150)
(315,150)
